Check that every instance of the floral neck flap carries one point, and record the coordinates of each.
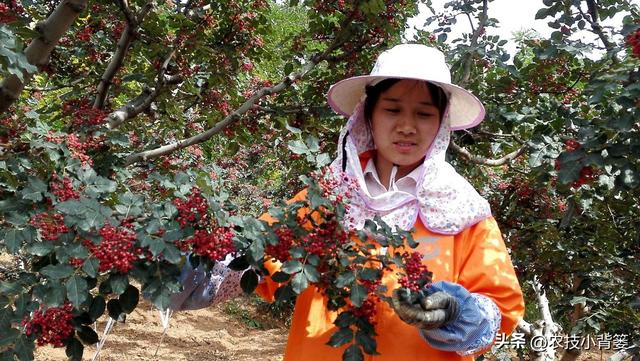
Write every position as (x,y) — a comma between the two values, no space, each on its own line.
(445,202)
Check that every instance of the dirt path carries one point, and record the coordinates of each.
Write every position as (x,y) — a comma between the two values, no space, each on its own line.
(207,334)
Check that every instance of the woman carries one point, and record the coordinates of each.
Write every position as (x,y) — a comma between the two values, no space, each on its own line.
(394,144)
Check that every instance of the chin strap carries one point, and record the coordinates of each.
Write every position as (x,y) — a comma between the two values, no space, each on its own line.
(344,151)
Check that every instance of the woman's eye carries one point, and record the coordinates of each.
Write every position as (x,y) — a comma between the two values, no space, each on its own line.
(425,114)
(393,110)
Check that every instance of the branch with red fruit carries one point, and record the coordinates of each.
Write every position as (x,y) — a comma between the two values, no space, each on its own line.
(312,241)
(126,38)
(236,115)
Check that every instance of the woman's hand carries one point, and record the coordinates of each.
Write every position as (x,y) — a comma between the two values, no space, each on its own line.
(429,311)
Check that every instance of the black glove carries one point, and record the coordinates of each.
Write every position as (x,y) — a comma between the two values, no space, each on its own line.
(427,311)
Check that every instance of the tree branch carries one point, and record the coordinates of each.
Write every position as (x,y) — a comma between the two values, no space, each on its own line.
(473,29)
(121,50)
(286,82)
(549,328)
(139,103)
(37,53)
(592,19)
(128,14)
(482,21)
(485,161)
(292,110)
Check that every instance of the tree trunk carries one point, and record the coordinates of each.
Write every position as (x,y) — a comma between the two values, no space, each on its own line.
(37,53)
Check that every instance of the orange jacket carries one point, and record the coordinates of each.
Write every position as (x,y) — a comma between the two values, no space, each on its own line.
(475,258)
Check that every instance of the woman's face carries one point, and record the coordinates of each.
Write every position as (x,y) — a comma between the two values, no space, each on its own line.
(404,123)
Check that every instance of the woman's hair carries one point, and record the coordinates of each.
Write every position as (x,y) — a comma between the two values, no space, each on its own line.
(373,94)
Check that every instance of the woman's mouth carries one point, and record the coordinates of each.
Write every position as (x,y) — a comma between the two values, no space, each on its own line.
(404,147)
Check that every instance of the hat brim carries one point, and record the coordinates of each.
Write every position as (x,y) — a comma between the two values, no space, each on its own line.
(464,111)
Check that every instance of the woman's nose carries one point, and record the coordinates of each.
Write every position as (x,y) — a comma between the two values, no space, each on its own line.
(406,124)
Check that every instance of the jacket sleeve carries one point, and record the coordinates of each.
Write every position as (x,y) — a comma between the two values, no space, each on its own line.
(486,288)
(483,266)
(267,287)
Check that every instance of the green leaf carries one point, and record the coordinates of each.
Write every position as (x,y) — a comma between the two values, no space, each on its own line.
(292,267)
(341,337)
(10,288)
(256,250)
(344,279)
(323,159)
(172,254)
(40,248)
(129,299)
(34,190)
(91,266)
(13,240)
(8,336)
(114,309)
(293,130)
(358,294)
(118,283)
(311,273)
(97,307)
(249,281)
(344,319)
(57,272)
(298,147)
(240,263)
(369,274)
(313,144)
(74,350)
(280,277)
(299,283)
(77,290)
(87,335)
(542,13)
(55,294)
(353,353)
(23,348)
(367,342)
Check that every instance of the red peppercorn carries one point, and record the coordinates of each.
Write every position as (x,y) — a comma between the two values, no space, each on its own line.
(52,326)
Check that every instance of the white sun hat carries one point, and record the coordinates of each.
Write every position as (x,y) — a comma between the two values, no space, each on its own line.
(411,61)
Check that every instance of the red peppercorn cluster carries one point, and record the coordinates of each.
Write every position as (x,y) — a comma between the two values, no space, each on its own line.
(633,40)
(52,326)
(286,239)
(9,12)
(367,310)
(116,249)
(336,188)
(587,176)
(325,238)
(82,111)
(63,189)
(79,148)
(51,226)
(75,262)
(84,35)
(193,210)
(417,275)
(215,244)
(571,145)
(371,286)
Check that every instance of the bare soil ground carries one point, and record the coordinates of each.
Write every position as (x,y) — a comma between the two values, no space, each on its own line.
(208,334)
